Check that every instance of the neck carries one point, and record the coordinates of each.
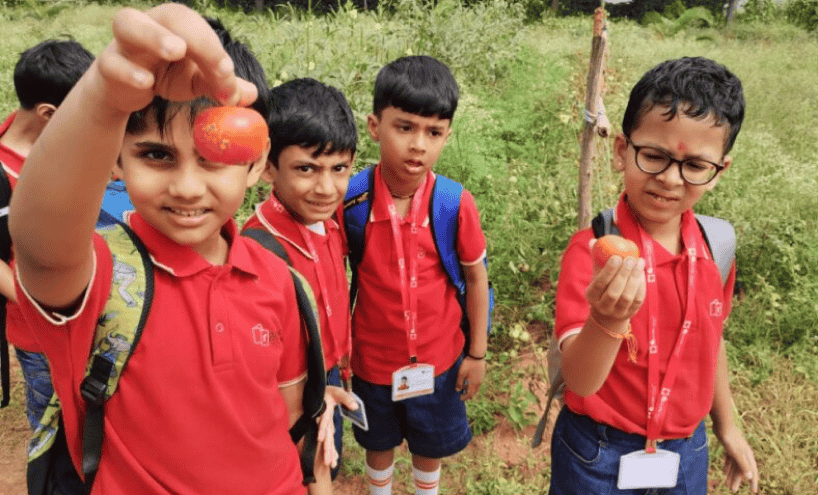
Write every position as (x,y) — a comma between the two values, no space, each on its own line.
(22,133)
(668,234)
(399,189)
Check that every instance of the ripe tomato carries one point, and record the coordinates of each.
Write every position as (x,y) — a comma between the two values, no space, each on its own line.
(609,245)
(234,135)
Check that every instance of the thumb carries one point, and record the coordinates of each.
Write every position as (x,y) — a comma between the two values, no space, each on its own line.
(341,396)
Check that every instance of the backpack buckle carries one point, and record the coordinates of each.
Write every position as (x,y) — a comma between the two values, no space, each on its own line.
(93,390)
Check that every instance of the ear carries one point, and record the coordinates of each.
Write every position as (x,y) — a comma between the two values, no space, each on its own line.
(726,162)
(620,148)
(259,166)
(372,122)
(45,111)
(448,133)
(118,172)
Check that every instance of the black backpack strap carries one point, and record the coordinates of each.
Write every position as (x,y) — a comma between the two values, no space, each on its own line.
(112,348)
(5,254)
(312,401)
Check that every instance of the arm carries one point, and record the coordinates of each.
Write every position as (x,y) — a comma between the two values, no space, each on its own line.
(477,307)
(7,289)
(615,293)
(292,396)
(739,461)
(168,51)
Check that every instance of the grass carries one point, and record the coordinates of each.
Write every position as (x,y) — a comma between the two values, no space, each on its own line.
(515,147)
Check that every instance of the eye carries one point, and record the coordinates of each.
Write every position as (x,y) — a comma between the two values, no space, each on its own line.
(156,155)
(653,155)
(436,133)
(697,166)
(341,167)
(304,169)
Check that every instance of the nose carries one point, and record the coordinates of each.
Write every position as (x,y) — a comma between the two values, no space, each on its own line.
(187,183)
(324,184)
(672,176)
(418,142)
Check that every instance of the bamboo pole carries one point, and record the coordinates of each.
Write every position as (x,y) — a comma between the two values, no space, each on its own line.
(592,108)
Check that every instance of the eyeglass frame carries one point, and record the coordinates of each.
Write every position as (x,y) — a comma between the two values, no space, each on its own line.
(671,161)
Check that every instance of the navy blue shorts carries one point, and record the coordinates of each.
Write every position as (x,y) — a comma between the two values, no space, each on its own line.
(334,378)
(585,458)
(434,425)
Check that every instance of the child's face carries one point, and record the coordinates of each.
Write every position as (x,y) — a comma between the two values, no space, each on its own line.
(310,187)
(179,193)
(410,144)
(660,199)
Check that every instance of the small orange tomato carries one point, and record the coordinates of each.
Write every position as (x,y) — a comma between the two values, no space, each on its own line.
(609,245)
(233,135)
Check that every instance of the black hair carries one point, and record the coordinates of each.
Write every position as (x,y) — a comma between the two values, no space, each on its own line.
(246,67)
(308,113)
(417,84)
(46,72)
(696,86)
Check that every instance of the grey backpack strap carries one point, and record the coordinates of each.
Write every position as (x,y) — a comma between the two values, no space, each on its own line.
(721,239)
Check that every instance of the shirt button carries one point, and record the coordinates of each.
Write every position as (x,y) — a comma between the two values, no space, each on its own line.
(219,328)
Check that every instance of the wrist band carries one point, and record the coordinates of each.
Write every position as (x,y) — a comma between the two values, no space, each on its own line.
(468,355)
(626,335)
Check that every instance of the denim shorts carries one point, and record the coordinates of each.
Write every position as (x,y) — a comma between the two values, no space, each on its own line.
(585,458)
(433,425)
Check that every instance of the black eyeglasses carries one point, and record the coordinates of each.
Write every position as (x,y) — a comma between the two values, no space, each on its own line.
(695,171)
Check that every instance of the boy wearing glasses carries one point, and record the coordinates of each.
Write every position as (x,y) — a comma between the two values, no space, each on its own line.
(635,425)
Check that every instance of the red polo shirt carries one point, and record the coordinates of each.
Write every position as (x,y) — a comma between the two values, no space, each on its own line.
(11,160)
(622,400)
(198,409)
(332,290)
(379,334)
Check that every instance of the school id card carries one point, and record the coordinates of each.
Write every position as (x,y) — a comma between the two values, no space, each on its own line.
(413,381)
(643,470)
(358,416)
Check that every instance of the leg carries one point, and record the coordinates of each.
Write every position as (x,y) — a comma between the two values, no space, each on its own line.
(379,468)
(425,474)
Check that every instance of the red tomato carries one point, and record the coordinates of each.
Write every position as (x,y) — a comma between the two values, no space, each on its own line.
(609,245)
(234,135)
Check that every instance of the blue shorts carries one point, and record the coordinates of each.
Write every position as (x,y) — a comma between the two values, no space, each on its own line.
(433,425)
(334,378)
(585,458)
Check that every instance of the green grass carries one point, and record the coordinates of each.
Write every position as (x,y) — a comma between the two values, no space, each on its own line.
(515,146)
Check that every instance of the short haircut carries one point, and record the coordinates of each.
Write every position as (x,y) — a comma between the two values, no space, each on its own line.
(46,72)
(696,86)
(308,113)
(418,84)
(246,67)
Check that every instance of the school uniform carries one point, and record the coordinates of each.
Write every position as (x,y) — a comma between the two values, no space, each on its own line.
(382,343)
(198,408)
(620,407)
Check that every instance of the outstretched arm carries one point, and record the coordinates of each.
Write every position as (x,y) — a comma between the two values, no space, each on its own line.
(168,51)
(473,370)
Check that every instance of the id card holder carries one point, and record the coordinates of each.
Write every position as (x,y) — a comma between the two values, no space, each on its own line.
(358,416)
(642,470)
(413,381)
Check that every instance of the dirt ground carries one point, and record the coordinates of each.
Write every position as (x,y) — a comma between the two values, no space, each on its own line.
(504,442)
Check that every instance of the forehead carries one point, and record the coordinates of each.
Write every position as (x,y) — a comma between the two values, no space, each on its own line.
(296,152)
(681,130)
(396,114)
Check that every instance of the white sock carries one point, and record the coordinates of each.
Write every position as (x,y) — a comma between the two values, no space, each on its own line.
(380,482)
(426,483)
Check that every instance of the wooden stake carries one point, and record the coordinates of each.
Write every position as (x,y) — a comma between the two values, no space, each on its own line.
(592,107)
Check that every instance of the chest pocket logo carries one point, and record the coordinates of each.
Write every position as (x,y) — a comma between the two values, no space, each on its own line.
(261,336)
(716,308)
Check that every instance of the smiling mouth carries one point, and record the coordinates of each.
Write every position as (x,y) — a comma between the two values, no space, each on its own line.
(662,199)
(188,213)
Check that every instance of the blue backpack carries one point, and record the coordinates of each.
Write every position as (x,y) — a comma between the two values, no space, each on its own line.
(443,209)
(720,238)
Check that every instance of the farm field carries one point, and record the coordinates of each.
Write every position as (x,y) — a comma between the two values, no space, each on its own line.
(515,146)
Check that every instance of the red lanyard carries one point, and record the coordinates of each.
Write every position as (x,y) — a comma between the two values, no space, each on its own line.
(657,412)
(408,281)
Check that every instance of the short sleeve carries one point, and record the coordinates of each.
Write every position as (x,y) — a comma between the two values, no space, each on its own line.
(575,274)
(471,242)
(293,365)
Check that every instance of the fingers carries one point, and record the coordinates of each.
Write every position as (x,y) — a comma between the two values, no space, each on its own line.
(341,396)
(740,468)
(618,290)
(469,378)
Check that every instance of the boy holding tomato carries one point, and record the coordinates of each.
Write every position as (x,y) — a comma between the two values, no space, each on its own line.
(208,397)
(410,362)
(634,415)
(313,139)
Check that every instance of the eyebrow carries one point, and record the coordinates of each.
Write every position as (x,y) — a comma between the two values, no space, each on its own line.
(153,145)
(666,152)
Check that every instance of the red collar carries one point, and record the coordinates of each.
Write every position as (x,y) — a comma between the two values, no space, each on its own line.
(184,261)
(280,222)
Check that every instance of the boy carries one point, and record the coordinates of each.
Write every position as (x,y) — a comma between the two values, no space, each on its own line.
(209,394)
(43,76)
(681,121)
(401,272)
(313,139)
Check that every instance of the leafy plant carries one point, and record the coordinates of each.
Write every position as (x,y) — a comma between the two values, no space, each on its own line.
(803,13)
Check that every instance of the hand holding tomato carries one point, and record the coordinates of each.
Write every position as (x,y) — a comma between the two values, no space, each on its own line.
(609,245)
(232,135)
(617,288)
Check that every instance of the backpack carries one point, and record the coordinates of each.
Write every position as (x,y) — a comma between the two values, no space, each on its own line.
(5,255)
(720,238)
(443,209)
(312,402)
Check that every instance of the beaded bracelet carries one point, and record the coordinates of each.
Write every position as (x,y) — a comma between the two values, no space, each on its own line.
(626,335)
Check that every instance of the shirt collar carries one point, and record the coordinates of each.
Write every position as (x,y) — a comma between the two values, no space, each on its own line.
(184,261)
(280,222)
(629,227)
(383,198)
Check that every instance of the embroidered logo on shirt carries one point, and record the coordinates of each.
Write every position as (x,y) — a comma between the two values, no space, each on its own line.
(261,336)
(716,307)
